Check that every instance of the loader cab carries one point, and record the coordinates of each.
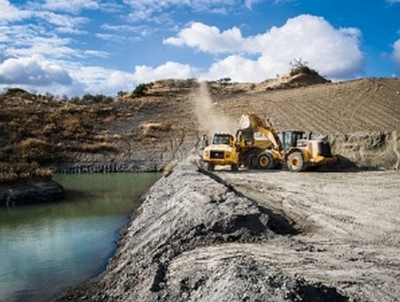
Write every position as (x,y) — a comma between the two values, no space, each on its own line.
(292,139)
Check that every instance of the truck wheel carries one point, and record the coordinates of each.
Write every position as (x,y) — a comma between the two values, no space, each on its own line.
(251,161)
(234,167)
(210,167)
(295,162)
(265,161)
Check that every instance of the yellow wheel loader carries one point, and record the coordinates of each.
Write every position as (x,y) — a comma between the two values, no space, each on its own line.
(293,149)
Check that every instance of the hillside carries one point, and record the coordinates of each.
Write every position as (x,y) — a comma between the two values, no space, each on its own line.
(145,133)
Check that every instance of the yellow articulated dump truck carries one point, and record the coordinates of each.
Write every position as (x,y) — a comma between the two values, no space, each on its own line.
(222,151)
(257,145)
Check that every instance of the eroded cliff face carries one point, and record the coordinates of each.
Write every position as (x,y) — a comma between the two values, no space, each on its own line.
(373,150)
(184,243)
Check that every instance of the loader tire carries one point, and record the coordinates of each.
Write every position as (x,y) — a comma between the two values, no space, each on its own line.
(295,162)
(265,161)
(210,167)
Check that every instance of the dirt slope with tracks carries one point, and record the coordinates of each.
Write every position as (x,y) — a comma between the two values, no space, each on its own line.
(346,107)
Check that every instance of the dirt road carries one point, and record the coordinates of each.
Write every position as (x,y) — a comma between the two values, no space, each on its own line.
(348,223)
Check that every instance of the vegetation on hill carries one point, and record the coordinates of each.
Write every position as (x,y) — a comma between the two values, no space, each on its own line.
(36,130)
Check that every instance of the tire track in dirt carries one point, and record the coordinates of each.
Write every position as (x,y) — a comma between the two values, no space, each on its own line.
(307,118)
(355,105)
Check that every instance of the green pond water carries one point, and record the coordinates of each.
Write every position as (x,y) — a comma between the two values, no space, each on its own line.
(48,247)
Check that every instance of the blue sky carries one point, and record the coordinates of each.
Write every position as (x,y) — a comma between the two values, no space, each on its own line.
(101,47)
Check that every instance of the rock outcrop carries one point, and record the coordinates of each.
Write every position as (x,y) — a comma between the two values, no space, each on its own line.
(182,245)
(29,192)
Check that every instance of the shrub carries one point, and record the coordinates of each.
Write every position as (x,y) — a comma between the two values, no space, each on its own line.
(141,90)
(300,67)
(96,99)
(15,91)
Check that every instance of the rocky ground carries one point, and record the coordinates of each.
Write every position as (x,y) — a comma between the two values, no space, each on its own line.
(259,236)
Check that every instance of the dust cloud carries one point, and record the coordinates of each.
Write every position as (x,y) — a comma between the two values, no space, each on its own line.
(209,118)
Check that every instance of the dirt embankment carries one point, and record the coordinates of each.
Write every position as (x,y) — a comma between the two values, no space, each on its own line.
(258,236)
(188,243)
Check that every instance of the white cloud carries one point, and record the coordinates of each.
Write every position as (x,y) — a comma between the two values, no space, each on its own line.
(34,71)
(333,52)
(142,30)
(96,53)
(99,80)
(237,68)
(53,47)
(168,70)
(396,52)
(62,23)
(9,12)
(208,38)
(147,9)
(111,37)
(71,6)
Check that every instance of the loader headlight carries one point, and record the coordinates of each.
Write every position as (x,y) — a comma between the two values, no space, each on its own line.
(227,154)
